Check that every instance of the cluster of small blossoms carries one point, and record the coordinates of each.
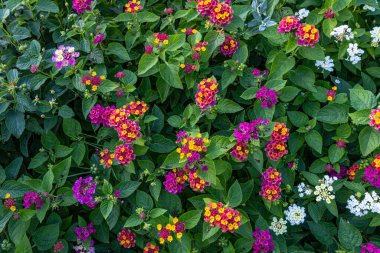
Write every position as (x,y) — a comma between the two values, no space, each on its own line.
(369,248)
(83,233)
(366,7)
(375,35)
(82,248)
(133,6)
(295,214)
(58,247)
(271,184)
(268,97)
(9,202)
(197,183)
(352,171)
(240,151)
(263,241)
(324,191)
(191,147)
(84,190)
(106,158)
(65,56)
(206,94)
(342,32)
(302,13)
(188,68)
(175,180)
(307,35)
(278,226)
(374,118)
(31,198)
(225,218)
(289,24)
(93,81)
(329,14)
(161,38)
(200,46)
(304,189)
(167,232)
(99,39)
(354,53)
(331,94)
(126,238)
(80,6)
(124,154)
(333,173)
(370,203)
(220,14)
(372,172)
(137,108)
(189,31)
(100,115)
(229,46)
(327,64)
(250,130)
(151,248)
(276,147)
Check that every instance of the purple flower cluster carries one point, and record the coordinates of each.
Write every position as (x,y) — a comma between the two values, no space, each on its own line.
(332,173)
(372,175)
(248,130)
(175,181)
(99,38)
(82,248)
(31,198)
(369,248)
(80,6)
(268,97)
(99,115)
(263,241)
(65,56)
(84,232)
(84,189)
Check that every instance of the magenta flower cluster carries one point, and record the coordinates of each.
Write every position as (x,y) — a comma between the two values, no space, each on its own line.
(372,175)
(369,248)
(263,241)
(100,115)
(268,97)
(80,6)
(65,56)
(175,181)
(31,198)
(84,190)
(83,233)
(250,130)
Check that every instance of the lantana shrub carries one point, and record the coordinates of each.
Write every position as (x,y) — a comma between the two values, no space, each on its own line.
(189,126)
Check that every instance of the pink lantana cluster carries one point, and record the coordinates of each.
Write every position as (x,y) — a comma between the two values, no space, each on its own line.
(64,56)
(80,6)
(224,217)
(31,198)
(229,46)
(268,97)
(372,172)
(369,248)
(263,241)
(191,147)
(271,184)
(206,95)
(307,34)
(83,233)
(84,190)
(289,24)
(218,13)
(374,118)
(276,147)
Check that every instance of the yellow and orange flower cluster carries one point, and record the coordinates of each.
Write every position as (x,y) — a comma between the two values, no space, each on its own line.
(167,232)
(133,6)
(106,158)
(137,108)
(226,218)
(151,248)
(307,35)
(206,95)
(10,203)
(200,46)
(191,147)
(280,132)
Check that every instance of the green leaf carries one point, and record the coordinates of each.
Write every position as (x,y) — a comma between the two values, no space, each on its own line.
(304,77)
(144,200)
(340,5)
(360,117)
(17,230)
(61,171)
(47,181)
(235,195)
(299,119)
(335,153)
(45,237)
(191,218)
(106,208)
(4,220)
(71,128)
(147,62)
(249,93)
(127,188)
(322,232)
(66,112)
(37,81)
(47,5)
(119,51)
(147,17)
(228,106)
(281,65)
(15,123)
(157,212)
(374,71)
(175,42)
(169,72)
(332,207)
(349,236)
(314,140)
(108,86)
(208,231)
(369,140)
(362,99)
(133,220)
(25,246)
(333,114)
(312,53)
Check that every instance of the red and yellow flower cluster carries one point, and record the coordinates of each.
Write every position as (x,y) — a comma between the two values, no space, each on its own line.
(189,31)
(206,95)
(161,38)
(307,34)
(137,108)
(271,184)
(240,151)
(10,203)
(219,13)
(276,147)
(124,154)
(151,248)
(106,158)
(331,94)
(374,118)
(352,171)
(229,46)
(93,81)
(167,232)
(196,183)
(126,238)
(226,218)
(200,46)
(133,6)
(191,147)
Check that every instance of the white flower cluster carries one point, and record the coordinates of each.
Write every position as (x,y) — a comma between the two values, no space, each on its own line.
(278,226)
(295,214)
(325,191)
(327,64)
(354,53)
(369,8)
(303,13)
(375,35)
(370,203)
(304,189)
(342,32)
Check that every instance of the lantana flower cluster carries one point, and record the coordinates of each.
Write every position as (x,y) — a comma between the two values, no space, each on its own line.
(191,147)
(206,94)
(307,34)
(267,96)
(65,56)
(84,190)
(81,6)
(224,217)
(271,181)
(219,13)
(151,248)
(171,230)
(374,118)
(369,204)
(263,241)
(325,191)
(229,46)
(127,238)
(9,202)
(372,172)
(276,147)
(93,81)
(133,6)
(33,198)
